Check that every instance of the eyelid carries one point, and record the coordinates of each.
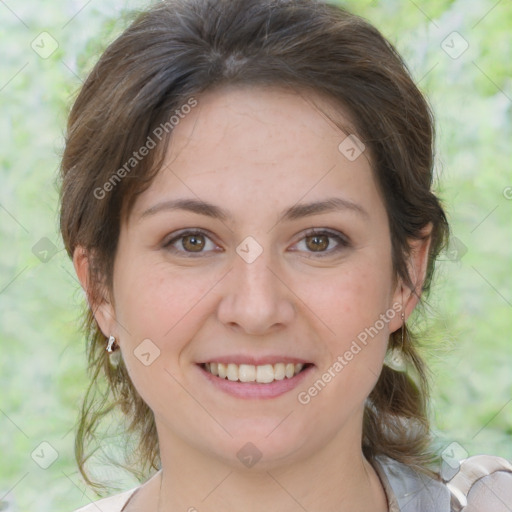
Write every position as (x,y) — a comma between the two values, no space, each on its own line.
(175,237)
(342,239)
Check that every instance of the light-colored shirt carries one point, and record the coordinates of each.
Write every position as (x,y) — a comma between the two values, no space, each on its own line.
(406,490)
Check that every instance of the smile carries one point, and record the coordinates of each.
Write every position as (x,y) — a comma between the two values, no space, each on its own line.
(255,381)
(262,374)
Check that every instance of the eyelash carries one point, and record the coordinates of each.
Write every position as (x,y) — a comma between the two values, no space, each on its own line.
(342,240)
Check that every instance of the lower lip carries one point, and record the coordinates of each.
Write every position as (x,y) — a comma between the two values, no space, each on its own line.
(254,390)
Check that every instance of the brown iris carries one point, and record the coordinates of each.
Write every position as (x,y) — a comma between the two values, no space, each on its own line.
(195,243)
(320,242)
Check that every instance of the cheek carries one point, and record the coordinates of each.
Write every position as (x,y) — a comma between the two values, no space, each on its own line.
(152,300)
(355,340)
(354,315)
(157,311)
(348,300)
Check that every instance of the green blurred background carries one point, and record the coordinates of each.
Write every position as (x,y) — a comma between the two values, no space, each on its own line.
(459,53)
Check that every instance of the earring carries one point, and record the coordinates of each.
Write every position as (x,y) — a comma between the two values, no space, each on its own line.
(113,351)
(394,357)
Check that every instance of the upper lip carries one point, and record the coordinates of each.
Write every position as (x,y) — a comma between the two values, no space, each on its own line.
(254,360)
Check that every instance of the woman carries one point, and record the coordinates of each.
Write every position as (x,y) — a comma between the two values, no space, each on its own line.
(247,201)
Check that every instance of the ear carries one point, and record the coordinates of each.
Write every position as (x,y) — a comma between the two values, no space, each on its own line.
(417,267)
(99,302)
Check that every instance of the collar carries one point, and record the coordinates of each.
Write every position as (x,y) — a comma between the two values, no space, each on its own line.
(408,490)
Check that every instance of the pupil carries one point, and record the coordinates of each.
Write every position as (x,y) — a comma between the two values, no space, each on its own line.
(194,241)
(318,244)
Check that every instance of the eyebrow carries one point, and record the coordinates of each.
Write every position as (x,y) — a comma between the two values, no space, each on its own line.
(294,212)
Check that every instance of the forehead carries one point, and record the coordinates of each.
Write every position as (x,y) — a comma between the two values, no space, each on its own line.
(269,145)
(283,118)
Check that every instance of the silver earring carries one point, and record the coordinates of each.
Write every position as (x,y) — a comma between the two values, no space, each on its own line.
(110,345)
(394,357)
(113,351)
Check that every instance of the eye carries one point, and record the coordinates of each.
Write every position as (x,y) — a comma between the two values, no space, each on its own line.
(196,241)
(317,241)
(191,242)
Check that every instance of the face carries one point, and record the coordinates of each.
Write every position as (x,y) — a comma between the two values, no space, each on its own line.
(257,284)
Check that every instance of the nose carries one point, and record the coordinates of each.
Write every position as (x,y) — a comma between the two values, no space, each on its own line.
(256,299)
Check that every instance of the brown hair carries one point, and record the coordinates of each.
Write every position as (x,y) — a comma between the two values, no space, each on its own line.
(172,53)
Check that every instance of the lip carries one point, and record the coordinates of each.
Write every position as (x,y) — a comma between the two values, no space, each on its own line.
(254,390)
(256,361)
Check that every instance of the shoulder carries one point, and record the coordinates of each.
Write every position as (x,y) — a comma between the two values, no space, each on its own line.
(482,482)
(114,503)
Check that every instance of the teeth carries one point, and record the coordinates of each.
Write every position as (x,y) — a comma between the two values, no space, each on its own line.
(232,372)
(279,371)
(247,373)
(222,369)
(264,374)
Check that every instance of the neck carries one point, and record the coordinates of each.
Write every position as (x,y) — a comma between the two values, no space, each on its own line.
(335,478)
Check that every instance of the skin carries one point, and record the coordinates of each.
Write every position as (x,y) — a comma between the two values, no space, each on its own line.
(256,152)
